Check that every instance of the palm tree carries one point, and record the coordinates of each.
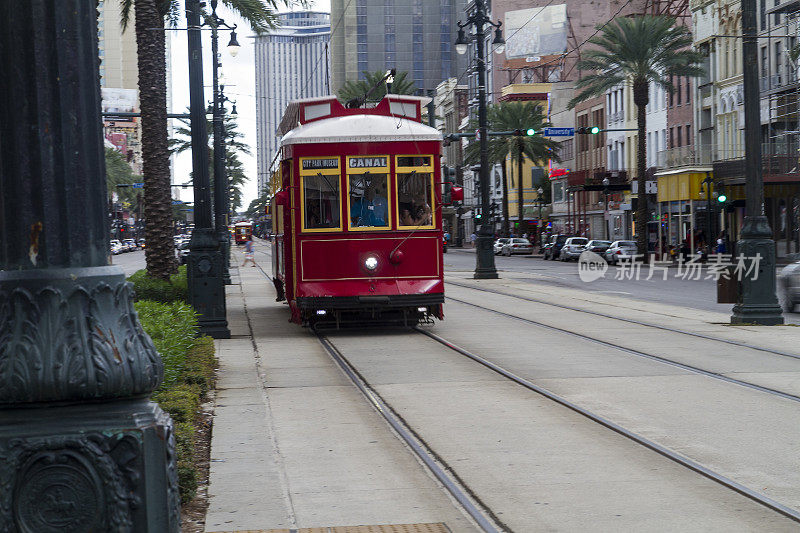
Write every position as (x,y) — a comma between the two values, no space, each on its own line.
(512,116)
(357,89)
(150,17)
(234,169)
(639,51)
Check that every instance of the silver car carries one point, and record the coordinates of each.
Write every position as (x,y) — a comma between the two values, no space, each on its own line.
(625,250)
(789,286)
(517,246)
(573,248)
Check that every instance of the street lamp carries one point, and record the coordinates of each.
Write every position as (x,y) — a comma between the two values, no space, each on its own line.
(606,183)
(484,257)
(221,202)
(205,260)
(757,302)
(706,189)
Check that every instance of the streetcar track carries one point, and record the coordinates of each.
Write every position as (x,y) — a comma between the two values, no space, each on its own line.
(446,475)
(657,358)
(432,460)
(635,437)
(631,321)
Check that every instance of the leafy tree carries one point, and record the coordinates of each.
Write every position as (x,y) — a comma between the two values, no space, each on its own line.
(638,51)
(510,116)
(150,17)
(359,88)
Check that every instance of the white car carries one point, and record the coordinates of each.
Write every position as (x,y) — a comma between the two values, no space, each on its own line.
(626,250)
(517,246)
(498,245)
(116,247)
(573,248)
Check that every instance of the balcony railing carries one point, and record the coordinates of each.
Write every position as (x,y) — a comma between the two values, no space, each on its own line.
(776,159)
(684,156)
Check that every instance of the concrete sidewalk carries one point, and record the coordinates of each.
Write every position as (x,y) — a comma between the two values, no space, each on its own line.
(295,445)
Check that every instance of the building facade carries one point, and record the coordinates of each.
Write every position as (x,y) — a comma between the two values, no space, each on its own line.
(415,36)
(292,62)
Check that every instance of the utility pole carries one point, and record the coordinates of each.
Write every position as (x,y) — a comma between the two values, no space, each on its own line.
(757,302)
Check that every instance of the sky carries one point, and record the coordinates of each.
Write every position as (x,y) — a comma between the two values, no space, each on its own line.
(239,74)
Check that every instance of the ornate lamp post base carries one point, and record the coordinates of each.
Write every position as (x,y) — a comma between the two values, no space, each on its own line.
(81,447)
(206,286)
(757,301)
(484,260)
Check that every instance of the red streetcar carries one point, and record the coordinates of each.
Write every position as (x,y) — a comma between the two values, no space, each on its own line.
(242,232)
(358,226)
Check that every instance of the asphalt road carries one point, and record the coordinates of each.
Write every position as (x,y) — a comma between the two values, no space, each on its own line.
(694,294)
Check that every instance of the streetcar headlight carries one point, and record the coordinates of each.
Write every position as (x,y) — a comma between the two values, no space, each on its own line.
(371,263)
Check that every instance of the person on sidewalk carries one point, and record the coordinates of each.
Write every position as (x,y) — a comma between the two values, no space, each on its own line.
(249,252)
(473,238)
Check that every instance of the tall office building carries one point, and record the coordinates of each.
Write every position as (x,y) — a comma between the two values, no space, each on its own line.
(119,80)
(415,36)
(292,62)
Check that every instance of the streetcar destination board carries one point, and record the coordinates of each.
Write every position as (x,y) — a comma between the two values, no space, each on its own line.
(318,164)
(367,162)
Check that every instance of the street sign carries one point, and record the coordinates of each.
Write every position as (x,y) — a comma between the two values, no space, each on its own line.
(559,132)
(137,185)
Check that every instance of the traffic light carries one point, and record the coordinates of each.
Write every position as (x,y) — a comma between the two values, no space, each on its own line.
(529,131)
(478,213)
(594,130)
(722,198)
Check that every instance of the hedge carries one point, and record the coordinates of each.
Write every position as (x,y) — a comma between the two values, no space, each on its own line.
(189,365)
(159,290)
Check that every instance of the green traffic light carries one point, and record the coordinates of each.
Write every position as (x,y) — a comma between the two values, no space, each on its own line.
(721,198)
(595,130)
(530,131)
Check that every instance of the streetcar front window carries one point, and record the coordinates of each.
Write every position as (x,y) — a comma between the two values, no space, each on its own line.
(415,191)
(369,201)
(321,195)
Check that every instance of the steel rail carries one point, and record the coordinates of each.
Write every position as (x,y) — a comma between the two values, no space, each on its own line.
(657,358)
(632,321)
(413,442)
(661,450)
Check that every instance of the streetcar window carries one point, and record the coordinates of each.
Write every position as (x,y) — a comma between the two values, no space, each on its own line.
(369,201)
(368,192)
(414,191)
(321,193)
(319,179)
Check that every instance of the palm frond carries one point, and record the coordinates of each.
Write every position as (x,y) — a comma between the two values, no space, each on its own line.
(260,14)
(125,10)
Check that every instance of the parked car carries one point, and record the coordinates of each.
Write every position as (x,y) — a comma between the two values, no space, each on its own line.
(498,245)
(116,247)
(182,252)
(598,247)
(517,245)
(573,248)
(789,285)
(552,248)
(621,250)
(131,244)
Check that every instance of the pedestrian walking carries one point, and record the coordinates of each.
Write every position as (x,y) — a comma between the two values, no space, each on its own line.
(473,238)
(249,252)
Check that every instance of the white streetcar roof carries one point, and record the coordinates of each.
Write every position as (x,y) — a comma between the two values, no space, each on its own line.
(361,128)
